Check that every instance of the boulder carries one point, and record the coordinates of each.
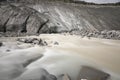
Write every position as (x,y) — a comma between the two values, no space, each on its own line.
(36,42)
(90,73)
(21,40)
(21,19)
(36,74)
(56,43)
(33,41)
(64,77)
(1,44)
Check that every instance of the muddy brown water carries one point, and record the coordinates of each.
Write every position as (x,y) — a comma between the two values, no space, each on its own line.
(73,52)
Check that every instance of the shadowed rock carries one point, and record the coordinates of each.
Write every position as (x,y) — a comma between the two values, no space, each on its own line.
(21,19)
(90,73)
(33,41)
(36,74)
(63,77)
(1,44)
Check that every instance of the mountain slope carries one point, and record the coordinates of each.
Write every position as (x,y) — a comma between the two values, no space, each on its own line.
(61,17)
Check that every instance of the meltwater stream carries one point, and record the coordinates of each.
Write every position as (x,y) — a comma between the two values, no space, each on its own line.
(73,53)
(67,57)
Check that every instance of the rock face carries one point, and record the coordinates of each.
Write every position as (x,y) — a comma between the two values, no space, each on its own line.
(69,17)
(21,19)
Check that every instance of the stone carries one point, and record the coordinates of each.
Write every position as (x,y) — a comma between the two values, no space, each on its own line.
(45,43)
(33,41)
(36,74)
(51,77)
(56,43)
(91,73)
(1,44)
(7,50)
(64,77)
(28,40)
(21,40)
(36,42)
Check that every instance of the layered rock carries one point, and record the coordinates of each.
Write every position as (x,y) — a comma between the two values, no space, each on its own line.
(55,17)
(68,17)
(21,19)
